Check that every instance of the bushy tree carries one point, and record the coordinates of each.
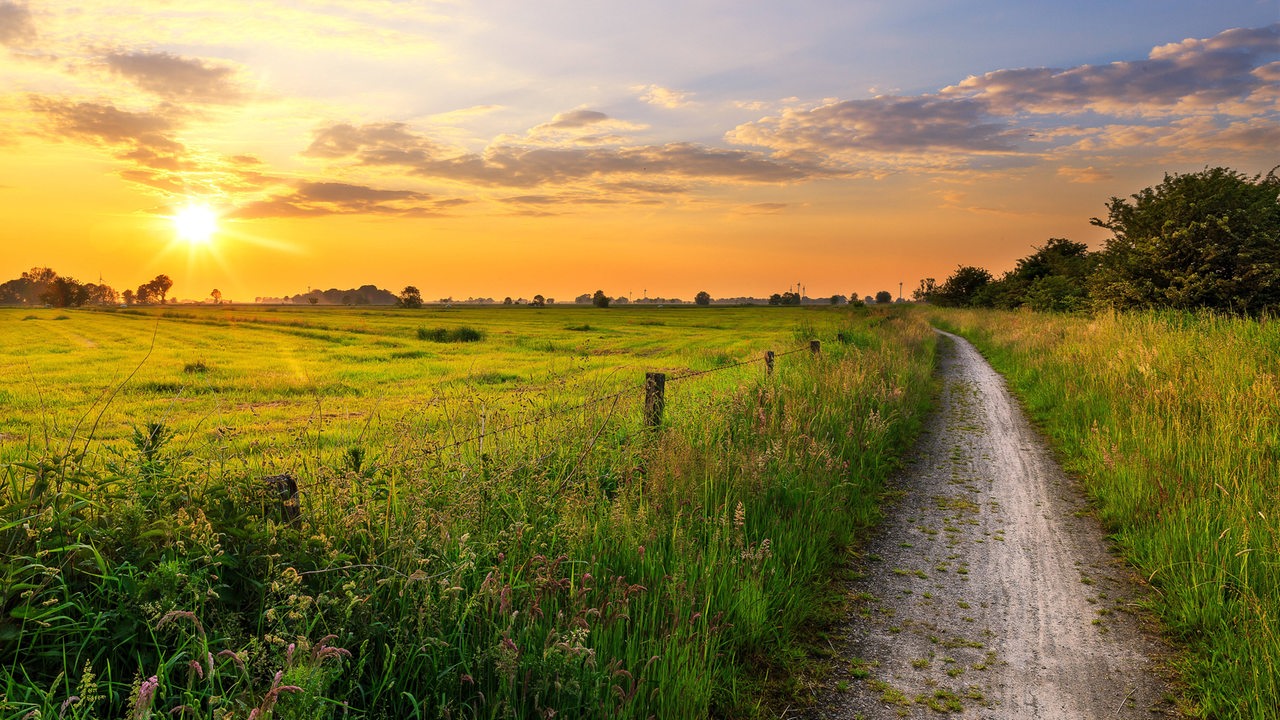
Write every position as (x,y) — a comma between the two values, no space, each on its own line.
(1055,277)
(925,290)
(703,298)
(962,288)
(884,296)
(410,298)
(599,299)
(216,294)
(538,301)
(1206,239)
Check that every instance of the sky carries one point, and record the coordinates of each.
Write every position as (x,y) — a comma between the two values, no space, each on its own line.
(495,148)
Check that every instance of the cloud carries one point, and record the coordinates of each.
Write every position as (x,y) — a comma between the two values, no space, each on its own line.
(1194,75)
(176,78)
(576,127)
(314,199)
(16,26)
(103,122)
(1084,175)
(1226,83)
(764,208)
(508,163)
(856,131)
(663,97)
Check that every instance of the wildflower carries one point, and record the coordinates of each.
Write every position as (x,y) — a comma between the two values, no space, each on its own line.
(62,711)
(145,699)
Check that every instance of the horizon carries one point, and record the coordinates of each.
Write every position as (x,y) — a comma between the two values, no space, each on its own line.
(497,149)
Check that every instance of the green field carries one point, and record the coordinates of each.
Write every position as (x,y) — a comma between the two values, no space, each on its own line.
(1172,421)
(486,527)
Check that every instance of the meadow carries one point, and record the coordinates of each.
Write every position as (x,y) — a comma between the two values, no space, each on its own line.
(1170,419)
(485,527)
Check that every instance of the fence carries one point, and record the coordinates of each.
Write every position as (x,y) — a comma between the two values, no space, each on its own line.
(654,388)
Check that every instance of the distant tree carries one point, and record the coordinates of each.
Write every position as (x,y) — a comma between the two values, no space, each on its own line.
(508,301)
(703,298)
(410,298)
(216,294)
(599,299)
(924,292)
(313,299)
(64,292)
(583,299)
(884,296)
(160,286)
(620,300)
(962,288)
(127,296)
(839,299)
(142,296)
(1207,239)
(538,301)
(102,294)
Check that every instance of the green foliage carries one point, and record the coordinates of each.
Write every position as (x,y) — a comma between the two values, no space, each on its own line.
(1209,239)
(884,296)
(599,299)
(962,289)
(703,298)
(451,335)
(410,298)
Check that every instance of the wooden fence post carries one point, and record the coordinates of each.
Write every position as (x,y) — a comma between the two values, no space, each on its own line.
(768,361)
(815,347)
(655,386)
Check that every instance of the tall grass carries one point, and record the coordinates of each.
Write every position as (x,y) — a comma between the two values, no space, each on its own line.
(1170,419)
(585,568)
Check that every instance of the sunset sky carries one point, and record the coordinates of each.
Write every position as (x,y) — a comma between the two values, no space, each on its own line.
(508,147)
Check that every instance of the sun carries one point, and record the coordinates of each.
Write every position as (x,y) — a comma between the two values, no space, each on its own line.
(195,224)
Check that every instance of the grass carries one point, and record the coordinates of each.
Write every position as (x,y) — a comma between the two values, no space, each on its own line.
(571,562)
(1170,421)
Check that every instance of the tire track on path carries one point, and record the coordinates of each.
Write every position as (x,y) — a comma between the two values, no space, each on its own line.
(988,591)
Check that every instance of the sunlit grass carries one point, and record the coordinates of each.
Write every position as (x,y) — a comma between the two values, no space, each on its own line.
(582,564)
(1170,419)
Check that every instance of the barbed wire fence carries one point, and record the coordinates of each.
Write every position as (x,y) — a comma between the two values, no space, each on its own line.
(653,386)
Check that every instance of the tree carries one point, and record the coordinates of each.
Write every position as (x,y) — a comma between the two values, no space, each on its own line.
(924,292)
(839,299)
(160,286)
(508,301)
(884,296)
(410,298)
(961,289)
(583,299)
(1208,239)
(703,298)
(216,294)
(538,301)
(65,292)
(599,299)
(142,295)
(127,296)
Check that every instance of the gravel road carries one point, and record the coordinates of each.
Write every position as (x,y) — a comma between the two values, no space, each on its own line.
(989,592)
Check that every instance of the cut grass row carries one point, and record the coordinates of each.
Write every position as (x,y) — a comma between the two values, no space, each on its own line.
(1170,420)
(587,569)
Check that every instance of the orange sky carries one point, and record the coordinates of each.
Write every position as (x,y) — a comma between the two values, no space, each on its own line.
(485,149)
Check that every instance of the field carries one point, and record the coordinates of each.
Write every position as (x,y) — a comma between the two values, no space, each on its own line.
(1170,419)
(484,527)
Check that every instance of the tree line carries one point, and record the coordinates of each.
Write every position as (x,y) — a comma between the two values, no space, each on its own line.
(1209,239)
(44,286)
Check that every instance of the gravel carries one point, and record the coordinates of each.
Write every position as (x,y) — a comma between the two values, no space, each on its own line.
(990,591)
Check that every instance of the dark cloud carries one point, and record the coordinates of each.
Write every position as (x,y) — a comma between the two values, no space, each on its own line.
(884,125)
(1191,74)
(394,144)
(176,78)
(16,26)
(314,199)
(1014,116)
(105,123)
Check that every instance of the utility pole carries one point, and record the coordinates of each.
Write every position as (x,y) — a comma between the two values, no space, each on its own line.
(899,291)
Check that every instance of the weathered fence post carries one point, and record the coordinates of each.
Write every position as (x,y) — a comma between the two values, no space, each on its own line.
(815,347)
(655,386)
(286,489)
(768,361)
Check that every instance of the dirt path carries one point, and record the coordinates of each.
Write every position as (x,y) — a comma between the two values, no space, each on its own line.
(988,592)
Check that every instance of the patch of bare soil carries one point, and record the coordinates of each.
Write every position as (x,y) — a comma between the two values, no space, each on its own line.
(989,591)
